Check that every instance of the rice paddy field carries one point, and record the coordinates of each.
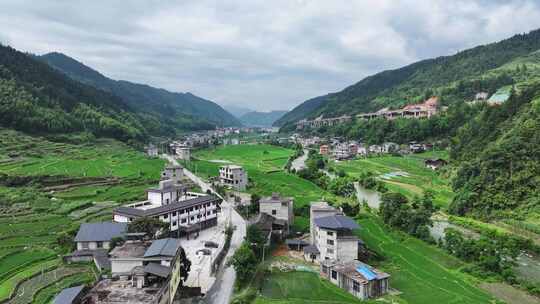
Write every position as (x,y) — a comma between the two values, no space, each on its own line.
(406,174)
(93,178)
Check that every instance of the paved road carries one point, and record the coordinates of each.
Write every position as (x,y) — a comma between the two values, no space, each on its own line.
(300,162)
(221,291)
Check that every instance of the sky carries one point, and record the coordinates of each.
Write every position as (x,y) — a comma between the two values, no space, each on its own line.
(264,55)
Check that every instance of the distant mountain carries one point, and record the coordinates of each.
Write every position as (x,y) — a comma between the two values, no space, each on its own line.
(38,99)
(261,119)
(237,111)
(454,78)
(179,111)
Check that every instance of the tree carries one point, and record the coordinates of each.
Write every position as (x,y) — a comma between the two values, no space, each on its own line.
(149,225)
(256,239)
(244,262)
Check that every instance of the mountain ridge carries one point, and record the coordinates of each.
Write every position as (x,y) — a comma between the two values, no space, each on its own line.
(175,107)
(261,119)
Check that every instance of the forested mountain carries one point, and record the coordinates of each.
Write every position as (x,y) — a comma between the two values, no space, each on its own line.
(498,158)
(454,78)
(181,111)
(37,99)
(261,119)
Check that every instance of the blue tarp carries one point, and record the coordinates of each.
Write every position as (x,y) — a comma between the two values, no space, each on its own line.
(366,272)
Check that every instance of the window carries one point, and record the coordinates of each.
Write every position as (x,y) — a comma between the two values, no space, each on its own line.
(174,223)
(208,213)
(99,244)
(174,213)
(192,218)
(166,216)
(84,245)
(334,274)
(330,233)
(330,242)
(167,201)
(356,286)
(330,251)
(184,221)
(274,212)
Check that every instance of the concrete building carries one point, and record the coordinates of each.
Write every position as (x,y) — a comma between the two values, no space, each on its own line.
(390,147)
(184,216)
(72,295)
(134,254)
(173,173)
(334,238)
(167,192)
(233,176)
(357,278)
(182,152)
(322,122)
(426,109)
(280,208)
(316,210)
(152,151)
(341,151)
(94,236)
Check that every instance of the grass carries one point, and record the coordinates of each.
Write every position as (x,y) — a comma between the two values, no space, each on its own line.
(422,273)
(301,287)
(45,295)
(419,177)
(7,286)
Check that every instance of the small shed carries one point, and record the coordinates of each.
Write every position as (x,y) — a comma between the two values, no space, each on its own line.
(71,295)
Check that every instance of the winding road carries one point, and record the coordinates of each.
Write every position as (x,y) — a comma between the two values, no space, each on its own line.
(222,289)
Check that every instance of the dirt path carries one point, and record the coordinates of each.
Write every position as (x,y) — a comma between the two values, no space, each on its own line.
(509,294)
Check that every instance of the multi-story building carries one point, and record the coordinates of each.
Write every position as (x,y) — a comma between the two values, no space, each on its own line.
(173,173)
(183,152)
(422,110)
(322,122)
(341,151)
(280,208)
(331,235)
(233,176)
(185,216)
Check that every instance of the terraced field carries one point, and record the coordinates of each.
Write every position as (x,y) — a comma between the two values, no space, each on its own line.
(32,219)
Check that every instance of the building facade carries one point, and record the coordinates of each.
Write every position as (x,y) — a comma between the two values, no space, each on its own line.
(233,176)
(280,208)
(334,238)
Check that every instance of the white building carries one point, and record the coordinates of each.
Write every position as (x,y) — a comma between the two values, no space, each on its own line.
(341,151)
(183,152)
(233,176)
(152,151)
(280,208)
(390,147)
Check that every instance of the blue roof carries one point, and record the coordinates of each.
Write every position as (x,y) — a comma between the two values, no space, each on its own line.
(336,222)
(67,295)
(163,247)
(366,272)
(96,232)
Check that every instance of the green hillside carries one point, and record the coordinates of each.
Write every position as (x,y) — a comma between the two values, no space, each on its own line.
(182,111)
(454,78)
(36,99)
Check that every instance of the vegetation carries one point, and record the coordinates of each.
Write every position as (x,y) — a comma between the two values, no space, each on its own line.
(163,112)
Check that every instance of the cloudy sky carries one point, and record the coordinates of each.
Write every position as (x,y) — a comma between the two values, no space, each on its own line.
(260,54)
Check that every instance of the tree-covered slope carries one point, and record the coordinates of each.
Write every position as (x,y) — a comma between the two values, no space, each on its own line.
(180,110)
(452,77)
(261,119)
(498,159)
(37,99)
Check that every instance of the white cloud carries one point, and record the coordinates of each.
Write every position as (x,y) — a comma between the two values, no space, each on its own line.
(261,54)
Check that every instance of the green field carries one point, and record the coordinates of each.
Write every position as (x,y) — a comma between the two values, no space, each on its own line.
(31,219)
(422,273)
(418,179)
(264,164)
(301,287)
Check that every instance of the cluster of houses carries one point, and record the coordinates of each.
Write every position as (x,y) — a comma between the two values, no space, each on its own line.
(332,244)
(422,110)
(341,150)
(143,271)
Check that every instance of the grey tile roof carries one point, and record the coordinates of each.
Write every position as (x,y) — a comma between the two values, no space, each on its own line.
(167,208)
(163,247)
(336,222)
(311,249)
(67,295)
(99,232)
(157,269)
